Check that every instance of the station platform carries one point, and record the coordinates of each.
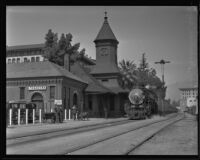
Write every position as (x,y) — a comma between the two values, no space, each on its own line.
(31,129)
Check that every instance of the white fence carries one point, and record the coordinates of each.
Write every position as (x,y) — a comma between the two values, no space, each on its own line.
(19,119)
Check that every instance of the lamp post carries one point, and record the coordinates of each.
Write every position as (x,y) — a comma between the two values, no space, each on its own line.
(162,63)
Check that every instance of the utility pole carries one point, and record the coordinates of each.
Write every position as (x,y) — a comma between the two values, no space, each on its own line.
(162,63)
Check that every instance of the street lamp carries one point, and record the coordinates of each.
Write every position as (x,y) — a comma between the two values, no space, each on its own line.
(162,63)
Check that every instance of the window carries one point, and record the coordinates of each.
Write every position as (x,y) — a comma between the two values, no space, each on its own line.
(9,60)
(32,59)
(25,59)
(52,92)
(18,60)
(22,92)
(13,60)
(37,59)
(104,80)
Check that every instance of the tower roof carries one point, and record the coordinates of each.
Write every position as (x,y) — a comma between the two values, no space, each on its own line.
(105,32)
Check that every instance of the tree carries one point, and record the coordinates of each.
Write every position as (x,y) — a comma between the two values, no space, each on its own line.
(127,65)
(55,50)
(127,76)
(132,76)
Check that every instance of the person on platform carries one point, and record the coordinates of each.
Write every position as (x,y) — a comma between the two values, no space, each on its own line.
(74,111)
(60,114)
(57,113)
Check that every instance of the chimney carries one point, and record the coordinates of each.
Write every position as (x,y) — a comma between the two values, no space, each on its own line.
(66,62)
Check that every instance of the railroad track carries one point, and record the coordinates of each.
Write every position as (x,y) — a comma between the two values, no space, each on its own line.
(161,124)
(61,132)
(132,149)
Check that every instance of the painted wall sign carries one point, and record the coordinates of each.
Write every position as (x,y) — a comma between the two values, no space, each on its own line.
(58,102)
(37,88)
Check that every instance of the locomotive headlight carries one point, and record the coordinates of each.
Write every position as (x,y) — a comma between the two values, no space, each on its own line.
(136,96)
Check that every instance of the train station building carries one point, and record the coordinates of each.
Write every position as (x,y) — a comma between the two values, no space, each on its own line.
(91,84)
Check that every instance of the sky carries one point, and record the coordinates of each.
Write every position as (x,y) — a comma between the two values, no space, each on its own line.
(162,32)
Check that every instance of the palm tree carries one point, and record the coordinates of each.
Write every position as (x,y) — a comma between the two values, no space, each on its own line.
(127,65)
(127,74)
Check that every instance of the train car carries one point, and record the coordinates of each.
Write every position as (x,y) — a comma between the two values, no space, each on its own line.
(142,104)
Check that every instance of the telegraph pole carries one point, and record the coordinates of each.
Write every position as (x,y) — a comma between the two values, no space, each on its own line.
(162,63)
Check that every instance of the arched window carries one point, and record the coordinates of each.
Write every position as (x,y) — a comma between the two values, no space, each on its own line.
(32,59)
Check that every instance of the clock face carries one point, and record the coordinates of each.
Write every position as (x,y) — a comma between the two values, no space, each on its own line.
(104,51)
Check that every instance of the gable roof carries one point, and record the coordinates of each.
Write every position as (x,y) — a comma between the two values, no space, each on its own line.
(94,86)
(105,32)
(38,69)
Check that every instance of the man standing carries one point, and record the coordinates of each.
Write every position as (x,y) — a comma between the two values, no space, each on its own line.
(60,114)
(57,113)
(74,111)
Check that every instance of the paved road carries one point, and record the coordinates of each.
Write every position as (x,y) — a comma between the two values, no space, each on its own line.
(177,139)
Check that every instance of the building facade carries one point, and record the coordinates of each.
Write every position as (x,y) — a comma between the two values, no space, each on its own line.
(188,96)
(25,53)
(43,83)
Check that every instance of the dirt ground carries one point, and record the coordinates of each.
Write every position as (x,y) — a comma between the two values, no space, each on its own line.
(177,139)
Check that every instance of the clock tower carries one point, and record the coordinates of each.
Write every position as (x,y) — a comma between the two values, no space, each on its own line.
(106,70)
(106,51)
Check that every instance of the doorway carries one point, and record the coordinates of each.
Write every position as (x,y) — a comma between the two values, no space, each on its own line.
(75,98)
(37,98)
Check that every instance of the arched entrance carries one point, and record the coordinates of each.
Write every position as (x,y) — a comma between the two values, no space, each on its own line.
(37,98)
(75,98)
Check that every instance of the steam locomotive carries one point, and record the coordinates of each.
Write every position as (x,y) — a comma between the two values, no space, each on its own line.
(142,104)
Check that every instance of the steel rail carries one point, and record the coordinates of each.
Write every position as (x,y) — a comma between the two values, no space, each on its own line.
(69,151)
(62,132)
(150,136)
